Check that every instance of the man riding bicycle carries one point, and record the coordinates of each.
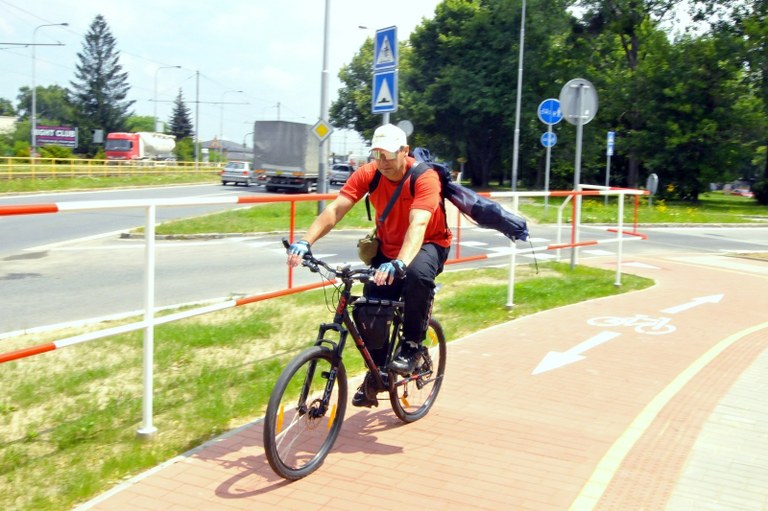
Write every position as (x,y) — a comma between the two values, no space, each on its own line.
(414,239)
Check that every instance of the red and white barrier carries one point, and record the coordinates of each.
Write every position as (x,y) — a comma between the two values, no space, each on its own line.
(150,206)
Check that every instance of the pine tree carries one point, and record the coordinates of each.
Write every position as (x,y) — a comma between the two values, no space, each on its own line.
(101,87)
(181,123)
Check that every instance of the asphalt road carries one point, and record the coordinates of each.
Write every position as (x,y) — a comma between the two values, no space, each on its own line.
(25,232)
(60,268)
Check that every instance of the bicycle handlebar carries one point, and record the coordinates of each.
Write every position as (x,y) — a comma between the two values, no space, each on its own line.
(345,272)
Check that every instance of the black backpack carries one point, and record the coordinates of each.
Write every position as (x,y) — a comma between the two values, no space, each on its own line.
(483,211)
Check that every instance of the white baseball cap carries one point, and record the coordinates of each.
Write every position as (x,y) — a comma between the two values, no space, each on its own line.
(389,138)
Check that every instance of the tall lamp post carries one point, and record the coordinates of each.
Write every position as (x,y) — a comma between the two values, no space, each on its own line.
(33,135)
(221,122)
(516,149)
(322,184)
(154,113)
(246,136)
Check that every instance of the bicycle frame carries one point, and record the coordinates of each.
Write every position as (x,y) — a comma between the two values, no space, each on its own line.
(343,325)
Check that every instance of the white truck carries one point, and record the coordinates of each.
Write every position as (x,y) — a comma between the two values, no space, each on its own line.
(288,155)
(139,146)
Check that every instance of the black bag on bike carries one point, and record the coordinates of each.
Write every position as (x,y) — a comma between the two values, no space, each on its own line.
(374,322)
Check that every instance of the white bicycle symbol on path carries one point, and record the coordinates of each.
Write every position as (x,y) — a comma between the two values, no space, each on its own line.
(642,324)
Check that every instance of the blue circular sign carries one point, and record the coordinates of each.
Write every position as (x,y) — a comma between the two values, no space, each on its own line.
(548,139)
(549,111)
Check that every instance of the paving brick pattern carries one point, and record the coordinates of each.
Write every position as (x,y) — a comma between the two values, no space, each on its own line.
(643,421)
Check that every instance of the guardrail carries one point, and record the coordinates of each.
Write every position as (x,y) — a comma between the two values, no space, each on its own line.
(34,168)
(149,321)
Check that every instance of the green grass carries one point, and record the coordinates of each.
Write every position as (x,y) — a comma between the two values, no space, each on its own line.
(713,208)
(70,417)
(92,183)
(261,218)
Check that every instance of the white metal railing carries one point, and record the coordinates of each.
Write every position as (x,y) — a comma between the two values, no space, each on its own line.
(150,320)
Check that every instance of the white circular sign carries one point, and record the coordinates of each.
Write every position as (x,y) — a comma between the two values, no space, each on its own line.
(652,184)
(406,126)
(578,101)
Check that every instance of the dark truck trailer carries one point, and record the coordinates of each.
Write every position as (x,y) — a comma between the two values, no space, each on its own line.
(288,154)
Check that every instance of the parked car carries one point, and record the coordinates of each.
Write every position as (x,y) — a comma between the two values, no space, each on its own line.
(238,172)
(742,192)
(340,172)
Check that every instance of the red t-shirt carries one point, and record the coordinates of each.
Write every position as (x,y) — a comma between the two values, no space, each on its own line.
(426,196)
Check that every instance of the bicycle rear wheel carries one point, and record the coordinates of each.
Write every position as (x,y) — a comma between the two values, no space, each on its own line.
(299,428)
(412,396)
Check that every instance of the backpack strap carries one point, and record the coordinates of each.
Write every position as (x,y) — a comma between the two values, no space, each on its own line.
(421,168)
(414,171)
(371,187)
(395,195)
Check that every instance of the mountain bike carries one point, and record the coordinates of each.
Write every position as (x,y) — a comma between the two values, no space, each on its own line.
(307,405)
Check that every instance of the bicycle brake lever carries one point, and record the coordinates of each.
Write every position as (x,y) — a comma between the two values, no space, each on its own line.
(311,265)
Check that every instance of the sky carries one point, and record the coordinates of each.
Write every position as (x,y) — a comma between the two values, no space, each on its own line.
(270,50)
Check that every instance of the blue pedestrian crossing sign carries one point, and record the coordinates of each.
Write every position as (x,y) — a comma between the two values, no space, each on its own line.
(385,49)
(385,91)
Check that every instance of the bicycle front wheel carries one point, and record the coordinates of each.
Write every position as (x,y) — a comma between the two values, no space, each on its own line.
(305,413)
(412,396)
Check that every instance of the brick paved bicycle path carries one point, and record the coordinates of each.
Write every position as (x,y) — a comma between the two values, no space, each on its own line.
(637,423)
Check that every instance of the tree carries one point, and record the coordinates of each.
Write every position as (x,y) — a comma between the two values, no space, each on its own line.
(702,120)
(460,85)
(691,108)
(52,105)
(181,119)
(626,24)
(6,107)
(352,109)
(185,150)
(136,123)
(101,87)
(747,23)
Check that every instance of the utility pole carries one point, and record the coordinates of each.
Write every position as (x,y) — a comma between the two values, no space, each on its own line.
(516,150)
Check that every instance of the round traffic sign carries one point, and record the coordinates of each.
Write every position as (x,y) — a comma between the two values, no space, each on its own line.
(406,126)
(578,101)
(550,112)
(652,184)
(548,139)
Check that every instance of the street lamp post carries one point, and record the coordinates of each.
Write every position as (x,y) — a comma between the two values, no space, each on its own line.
(246,136)
(322,185)
(154,113)
(33,135)
(516,148)
(221,122)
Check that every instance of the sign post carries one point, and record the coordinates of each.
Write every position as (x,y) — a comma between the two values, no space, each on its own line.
(550,114)
(578,99)
(385,57)
(608,153)
(652,185)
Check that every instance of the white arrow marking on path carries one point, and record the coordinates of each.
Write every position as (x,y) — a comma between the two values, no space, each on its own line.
(556,359)
(693,303)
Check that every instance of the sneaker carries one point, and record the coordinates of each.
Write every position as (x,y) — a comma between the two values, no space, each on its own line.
(407,359)
(365,397)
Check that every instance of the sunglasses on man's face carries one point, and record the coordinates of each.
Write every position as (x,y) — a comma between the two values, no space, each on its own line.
(381,154)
